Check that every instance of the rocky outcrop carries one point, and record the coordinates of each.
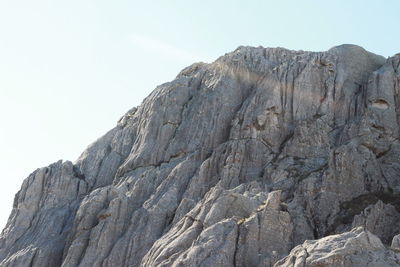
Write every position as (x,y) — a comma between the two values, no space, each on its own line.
(233,163)
(355,248)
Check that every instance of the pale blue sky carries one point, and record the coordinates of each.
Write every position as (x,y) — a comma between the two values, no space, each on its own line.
(70,69)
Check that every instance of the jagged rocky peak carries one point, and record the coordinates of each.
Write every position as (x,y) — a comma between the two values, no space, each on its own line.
(265,157)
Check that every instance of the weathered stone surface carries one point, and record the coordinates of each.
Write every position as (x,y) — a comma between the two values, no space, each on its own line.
(42,217)
(396,243)
(355,248)
(232,163)
(381,220)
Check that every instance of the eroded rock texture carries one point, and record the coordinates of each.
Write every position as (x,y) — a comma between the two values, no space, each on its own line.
(234,163)
(355,248)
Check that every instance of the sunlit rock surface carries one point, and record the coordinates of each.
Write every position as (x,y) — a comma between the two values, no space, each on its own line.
(234,163)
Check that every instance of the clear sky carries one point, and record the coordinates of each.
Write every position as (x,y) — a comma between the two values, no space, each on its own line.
(70,69)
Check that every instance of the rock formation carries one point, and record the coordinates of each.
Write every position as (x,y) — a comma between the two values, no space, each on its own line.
(264,157)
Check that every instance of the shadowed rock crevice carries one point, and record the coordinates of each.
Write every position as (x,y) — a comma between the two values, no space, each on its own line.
(349,209)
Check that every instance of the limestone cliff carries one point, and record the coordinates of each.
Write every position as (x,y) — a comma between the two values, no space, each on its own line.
(264,157)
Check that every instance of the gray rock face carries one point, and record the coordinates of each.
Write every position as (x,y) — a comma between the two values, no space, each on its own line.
(355,248)
(233,163)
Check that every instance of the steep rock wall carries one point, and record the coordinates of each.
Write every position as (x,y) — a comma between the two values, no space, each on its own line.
(233,163)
